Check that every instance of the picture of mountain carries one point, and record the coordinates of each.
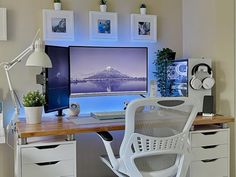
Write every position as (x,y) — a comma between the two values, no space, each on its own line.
(96,70)
(108,73)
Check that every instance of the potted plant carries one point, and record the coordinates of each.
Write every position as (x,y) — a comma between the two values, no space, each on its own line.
(57,4)
(103,6)
(162,61)
(33,103)
(143,9)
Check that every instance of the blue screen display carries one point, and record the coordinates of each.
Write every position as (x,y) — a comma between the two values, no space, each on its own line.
(177,76)
(108,70)
(57,89)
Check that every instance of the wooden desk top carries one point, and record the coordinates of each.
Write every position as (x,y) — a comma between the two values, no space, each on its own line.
(53,126)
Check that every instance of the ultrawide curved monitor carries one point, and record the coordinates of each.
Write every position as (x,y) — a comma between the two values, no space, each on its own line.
(108,70)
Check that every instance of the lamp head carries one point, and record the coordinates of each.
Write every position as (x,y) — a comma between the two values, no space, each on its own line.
(39,57)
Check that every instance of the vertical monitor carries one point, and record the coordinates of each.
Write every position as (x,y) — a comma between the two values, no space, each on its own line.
(177,77)
(57,87)
(108,70)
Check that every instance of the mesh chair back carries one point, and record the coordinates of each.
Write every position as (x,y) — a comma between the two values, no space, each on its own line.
(156,126)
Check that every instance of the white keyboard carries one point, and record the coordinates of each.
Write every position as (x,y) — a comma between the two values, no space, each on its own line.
(108,115)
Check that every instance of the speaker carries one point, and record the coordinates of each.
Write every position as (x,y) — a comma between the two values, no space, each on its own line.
(208,106)
(202,77)
(153,88)
(74,109)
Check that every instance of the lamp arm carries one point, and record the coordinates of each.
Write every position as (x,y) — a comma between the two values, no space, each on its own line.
(13,97)
(9,65)
(7,68)
(35,37)
(18,58)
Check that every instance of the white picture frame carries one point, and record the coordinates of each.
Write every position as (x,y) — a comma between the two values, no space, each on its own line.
(143,28)
(3,24)
(103,25)
(58,25)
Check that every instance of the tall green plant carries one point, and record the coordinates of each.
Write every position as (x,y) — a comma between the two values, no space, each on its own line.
(162,61)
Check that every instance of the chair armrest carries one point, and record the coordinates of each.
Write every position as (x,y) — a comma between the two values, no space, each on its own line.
(106,136)
(107,139)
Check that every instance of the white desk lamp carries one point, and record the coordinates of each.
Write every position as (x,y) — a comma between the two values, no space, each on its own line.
(37,58)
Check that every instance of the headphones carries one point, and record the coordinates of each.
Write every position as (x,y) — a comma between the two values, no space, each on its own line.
(202,77)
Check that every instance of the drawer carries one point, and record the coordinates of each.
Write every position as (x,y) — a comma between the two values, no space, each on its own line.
(210,152)
(214,168)
(50,169)
(213,137)
(55,152)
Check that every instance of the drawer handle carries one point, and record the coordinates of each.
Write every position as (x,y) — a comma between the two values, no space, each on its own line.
(209,160)
(47,163)
(47,147)
(209,133)
(209,147)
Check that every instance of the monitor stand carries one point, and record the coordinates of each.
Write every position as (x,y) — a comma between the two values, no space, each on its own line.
(60,113)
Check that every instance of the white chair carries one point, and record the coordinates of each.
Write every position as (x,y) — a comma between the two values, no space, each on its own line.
(154,128)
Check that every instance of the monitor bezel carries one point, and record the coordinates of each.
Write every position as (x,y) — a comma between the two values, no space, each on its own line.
(74,95)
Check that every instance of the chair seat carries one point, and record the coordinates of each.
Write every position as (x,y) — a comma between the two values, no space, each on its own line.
(168,172)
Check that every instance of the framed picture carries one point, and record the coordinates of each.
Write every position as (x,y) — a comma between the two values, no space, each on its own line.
(144,28)
(3,24)
(58,25)
(103,25)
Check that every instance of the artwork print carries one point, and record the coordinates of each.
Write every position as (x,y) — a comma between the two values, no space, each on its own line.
(104,26)
(144,28)
(59,25)
(3,24)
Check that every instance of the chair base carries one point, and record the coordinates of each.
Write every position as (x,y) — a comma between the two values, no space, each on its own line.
(105,160)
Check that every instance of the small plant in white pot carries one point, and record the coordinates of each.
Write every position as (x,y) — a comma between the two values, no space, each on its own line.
(103,6)
(143,9)
(33,103)
(57,4)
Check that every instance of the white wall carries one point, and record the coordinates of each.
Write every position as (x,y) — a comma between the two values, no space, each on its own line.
(205,29)
(25,17)
(208,31)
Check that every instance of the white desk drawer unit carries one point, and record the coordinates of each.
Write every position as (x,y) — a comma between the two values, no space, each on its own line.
(210,150)
(56,159)
(62,168)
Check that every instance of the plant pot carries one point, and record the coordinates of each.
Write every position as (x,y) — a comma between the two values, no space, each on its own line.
(57,6)
(103,8)
(143,11)
(33,114)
